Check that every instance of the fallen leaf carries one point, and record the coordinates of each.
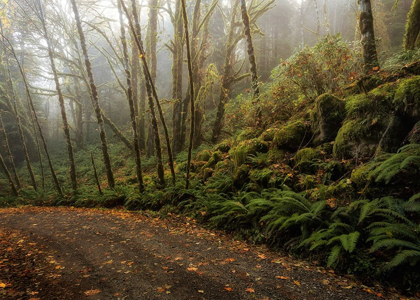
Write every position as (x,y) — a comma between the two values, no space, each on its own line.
(160,290)
(228,288)
(2,285)
(192,269)
(250,290)
(92,292)
(201,291)
(283,277)
(296,282)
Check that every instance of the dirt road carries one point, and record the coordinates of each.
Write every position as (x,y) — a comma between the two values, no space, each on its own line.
(65,253)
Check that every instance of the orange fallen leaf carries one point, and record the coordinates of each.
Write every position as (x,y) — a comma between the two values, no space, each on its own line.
(229,289)
(296,282)
(192,269)
(250,290)
(283,277)
(160,290)
(92,292)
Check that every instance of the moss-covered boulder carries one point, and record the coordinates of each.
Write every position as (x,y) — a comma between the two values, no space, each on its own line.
(326,117)
(291,136)
(414,135)
(240,153)
(261,177)
(204,155)
(207,173)
(407,97)
(370,123)
(305,159)
(241,176)
(214,159)
(268,135)
(223,147)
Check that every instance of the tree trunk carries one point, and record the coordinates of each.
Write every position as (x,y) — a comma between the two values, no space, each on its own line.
(137,35)
(9,177)
(227,79)
(131,103)
(35,116)
(95,97)
(95,173)
(412,32)
(66,127)
(191,78)
(370,56)
(250,50)
(178,54)
(9,152)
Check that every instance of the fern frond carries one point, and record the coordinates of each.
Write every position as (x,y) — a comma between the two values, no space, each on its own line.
(334,255)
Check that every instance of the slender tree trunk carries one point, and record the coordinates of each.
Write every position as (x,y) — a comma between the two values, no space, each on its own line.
(370,56)
(151,88)
(95,173)
(139,109)
(131,103)
(66,127)
(95,97)
(177,63)
(9,177)
(190,73)
(412,32)
(227,78)
(9,152)
(9,85)
(146,73)
(250,49)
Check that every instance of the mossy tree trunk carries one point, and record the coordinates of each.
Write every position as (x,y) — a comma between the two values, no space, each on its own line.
(370,56)
(9,152)
(250,49)
(9,177)
(177,67)
(191,83)
(131,102)
(66,127)
(412,29)
(35,116)
(11,91)
(227,77)
(95,98)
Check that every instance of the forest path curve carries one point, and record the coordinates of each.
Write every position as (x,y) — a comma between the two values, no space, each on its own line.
(69,253)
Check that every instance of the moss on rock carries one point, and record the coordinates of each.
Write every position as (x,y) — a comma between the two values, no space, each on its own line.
(291,136)
(240,153)
(407,97)
(326,117)
(305,158)
(214,159)
(204,155)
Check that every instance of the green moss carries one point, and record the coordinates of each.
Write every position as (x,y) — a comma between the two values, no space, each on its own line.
(407,96)
(305,158)
(268,135)
(223,147)
(306,182)
(326,117)
(291,136)
(207,173)
(360,176)
(343,192)
(261,177)
(240,153)
(241,176)
(204,155)
(246,134)
(224,166)
(215,158)
(349,137)
(276,155)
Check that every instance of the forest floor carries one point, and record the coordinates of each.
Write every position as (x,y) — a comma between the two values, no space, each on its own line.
(69,253)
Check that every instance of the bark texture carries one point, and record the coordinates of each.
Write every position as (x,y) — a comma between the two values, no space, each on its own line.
(412,29)
(66,127)
(370,56)
(131,103)
(95,98)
